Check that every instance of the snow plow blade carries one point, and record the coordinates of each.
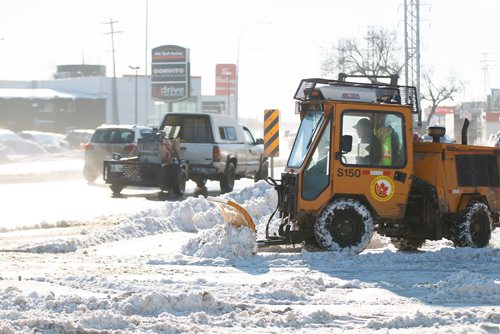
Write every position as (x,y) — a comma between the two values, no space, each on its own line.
(233,213)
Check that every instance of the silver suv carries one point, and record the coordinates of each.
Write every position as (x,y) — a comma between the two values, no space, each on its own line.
(108,140)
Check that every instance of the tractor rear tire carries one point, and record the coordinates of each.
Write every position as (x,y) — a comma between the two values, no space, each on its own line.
(227,180)
(345,225)
(474,226)
(405,244)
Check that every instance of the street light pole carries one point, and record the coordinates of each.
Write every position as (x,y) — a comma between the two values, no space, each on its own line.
(135,68)
(238,63)
(228,75)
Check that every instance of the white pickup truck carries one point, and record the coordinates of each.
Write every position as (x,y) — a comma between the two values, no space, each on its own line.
(217,148)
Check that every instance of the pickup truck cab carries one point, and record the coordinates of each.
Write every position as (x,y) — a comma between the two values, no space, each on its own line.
(217,148)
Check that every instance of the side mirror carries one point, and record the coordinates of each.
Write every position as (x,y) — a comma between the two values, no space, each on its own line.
(259,141)
(346,144)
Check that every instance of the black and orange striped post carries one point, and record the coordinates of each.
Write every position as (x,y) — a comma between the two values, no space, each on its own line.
(272,135)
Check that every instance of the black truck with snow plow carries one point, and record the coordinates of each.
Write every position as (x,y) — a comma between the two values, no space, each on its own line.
(158,163)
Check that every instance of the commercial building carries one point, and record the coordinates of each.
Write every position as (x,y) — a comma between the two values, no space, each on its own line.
(80,96)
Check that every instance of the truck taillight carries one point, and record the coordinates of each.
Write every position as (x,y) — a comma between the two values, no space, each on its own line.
(88,147)
(216,154)
(129,148)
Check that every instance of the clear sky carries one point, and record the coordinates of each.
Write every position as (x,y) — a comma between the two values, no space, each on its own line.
(38,35)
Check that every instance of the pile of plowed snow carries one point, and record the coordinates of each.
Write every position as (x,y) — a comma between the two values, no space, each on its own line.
(213,237)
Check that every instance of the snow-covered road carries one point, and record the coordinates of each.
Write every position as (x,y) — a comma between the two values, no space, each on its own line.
(52,192)
(174,267)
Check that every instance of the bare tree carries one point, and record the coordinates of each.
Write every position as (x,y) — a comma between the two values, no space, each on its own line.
(436,94)
(377,56)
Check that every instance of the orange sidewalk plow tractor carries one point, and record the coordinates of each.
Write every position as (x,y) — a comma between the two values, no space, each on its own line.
(356,167)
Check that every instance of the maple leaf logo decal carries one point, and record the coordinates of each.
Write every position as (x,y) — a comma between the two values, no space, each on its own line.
(381,189)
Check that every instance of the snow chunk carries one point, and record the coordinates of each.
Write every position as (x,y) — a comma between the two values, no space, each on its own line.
(155,303)
(223,241)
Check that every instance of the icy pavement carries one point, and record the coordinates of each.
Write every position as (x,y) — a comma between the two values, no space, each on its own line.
(178,269)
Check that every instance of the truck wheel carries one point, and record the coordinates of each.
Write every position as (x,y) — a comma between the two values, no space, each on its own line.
(200,182)
(263,171)
(177,180)
(474,227)
(227,181)
(165,178)
(405,244)
(89,174)
(116,188)
(346,225)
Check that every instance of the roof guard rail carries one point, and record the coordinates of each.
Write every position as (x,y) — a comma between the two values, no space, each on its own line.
(404,95)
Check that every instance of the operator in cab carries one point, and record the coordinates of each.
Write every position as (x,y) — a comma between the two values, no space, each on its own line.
(369,145)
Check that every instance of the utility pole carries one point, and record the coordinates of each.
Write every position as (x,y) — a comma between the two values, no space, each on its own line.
(412,44)
(115,114)
(135,68)
(146,54)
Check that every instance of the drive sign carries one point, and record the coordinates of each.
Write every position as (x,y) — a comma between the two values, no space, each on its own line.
(170,73)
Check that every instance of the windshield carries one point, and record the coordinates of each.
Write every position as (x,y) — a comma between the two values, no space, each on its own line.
(307,131)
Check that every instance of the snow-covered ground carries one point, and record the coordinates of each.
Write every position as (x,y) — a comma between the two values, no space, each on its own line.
(177,268)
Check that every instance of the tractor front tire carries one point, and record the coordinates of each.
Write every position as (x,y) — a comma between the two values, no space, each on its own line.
(344,225)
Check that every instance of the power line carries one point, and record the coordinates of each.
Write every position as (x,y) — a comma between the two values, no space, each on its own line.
(486,63)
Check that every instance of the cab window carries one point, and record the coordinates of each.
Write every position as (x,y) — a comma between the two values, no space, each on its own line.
(248,136)
(317,172)
(377,139)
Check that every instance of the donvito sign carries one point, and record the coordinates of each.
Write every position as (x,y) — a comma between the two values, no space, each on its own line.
(170,73)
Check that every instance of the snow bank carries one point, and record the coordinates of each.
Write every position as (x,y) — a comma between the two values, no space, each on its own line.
(188,216)
(467,287)
(226,241)
(195,214)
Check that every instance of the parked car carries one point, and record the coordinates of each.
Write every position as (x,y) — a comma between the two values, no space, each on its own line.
(444,139)
(52,142)
(14,147)
(79,137)
(109,139)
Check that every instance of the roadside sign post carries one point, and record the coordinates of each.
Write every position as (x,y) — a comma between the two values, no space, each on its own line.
(271,135)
